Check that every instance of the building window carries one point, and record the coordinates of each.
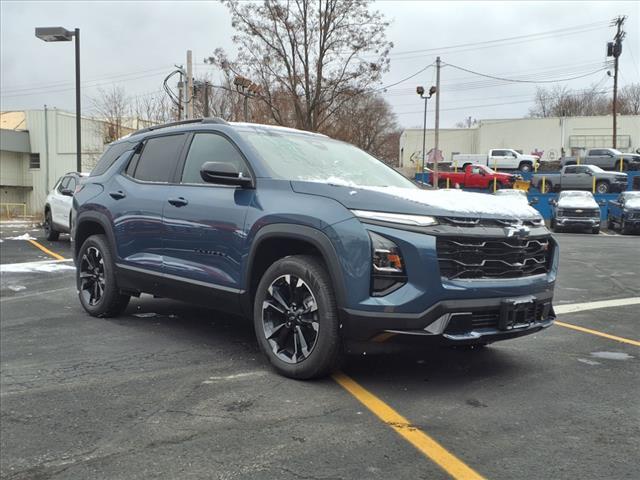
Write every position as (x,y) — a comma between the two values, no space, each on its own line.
(34,160)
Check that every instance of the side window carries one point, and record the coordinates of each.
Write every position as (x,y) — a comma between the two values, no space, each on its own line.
(570,170)
(158,159)
(109,157)
(210,147)
(63,184)
(72,184)
(497,153)
(476,170)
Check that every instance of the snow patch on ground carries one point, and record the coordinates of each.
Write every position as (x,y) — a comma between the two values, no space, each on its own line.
(16,288)
(25,236)
(612,355)
(46,266)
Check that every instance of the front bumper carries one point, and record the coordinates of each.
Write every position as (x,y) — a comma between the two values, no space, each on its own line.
(586,222)
(458,321)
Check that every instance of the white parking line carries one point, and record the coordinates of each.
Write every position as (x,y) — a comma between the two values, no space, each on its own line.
(581,307)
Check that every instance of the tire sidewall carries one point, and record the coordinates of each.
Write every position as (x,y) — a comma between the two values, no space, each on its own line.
(111,288)
(326,351)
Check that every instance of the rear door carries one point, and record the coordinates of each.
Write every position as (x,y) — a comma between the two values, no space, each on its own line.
(137,198)
(204,233)
(58,203)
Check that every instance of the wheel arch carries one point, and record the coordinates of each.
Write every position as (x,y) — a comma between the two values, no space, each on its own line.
(92,223)
(277,241)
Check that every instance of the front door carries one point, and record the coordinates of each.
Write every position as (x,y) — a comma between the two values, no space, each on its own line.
(204,223)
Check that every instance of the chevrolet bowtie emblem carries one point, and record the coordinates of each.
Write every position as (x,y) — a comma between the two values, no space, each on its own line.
(519,231)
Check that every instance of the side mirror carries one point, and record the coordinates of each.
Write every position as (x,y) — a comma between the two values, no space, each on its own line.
(224,174)
(67,192)
(552,201)
(602,203)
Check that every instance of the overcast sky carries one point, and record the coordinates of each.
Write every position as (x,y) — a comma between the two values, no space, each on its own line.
(135,44)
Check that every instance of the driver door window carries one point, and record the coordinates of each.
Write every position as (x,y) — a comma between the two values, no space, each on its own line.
(210,147)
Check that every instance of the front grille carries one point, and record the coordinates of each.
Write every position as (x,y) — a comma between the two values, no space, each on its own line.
(462,257)
(488,222)
(578,213)
(461,323)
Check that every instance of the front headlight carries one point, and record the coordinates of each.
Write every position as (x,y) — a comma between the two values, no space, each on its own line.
(400,218)
(387,269)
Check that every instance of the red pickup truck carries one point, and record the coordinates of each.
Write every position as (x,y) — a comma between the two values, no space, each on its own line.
(476,176)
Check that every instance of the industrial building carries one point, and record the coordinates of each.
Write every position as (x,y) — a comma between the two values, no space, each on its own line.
(36,148)
(548,137)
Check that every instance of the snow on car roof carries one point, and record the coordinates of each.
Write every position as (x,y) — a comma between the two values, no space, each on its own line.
(574,193)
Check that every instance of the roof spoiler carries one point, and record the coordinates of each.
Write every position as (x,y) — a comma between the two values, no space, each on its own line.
(215,120)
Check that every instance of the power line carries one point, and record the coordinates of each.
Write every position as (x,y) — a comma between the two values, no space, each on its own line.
(404,79)
(514,80)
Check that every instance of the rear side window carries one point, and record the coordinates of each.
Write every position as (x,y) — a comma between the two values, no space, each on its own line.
(159,158)
(72,184)
(210,147)
(109,157)
(63,183)
(570,170)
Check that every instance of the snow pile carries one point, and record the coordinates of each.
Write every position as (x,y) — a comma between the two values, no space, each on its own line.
(633,202)
(25,236)
(577,202)
(46,266)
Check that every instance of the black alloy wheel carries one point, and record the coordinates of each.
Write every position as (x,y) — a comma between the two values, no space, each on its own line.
(290,319)
(295,318)
(92,276)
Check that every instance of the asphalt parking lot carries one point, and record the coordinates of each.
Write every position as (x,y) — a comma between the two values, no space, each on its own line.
(169,390)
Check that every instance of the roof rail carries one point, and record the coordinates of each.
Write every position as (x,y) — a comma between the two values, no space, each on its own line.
(181,122)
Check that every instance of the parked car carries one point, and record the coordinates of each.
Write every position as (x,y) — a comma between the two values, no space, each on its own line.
(476,176)
(607,159)
(624,212)
(314,239)
(57,207)
(575,209)
(580,177)
(502,158)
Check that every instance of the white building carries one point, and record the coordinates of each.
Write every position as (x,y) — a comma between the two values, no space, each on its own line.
(547,136)
(36,148)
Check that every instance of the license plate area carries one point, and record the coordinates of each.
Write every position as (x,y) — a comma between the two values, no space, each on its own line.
(516,313)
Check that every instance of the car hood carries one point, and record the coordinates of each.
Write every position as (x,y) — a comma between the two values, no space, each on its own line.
(633,203)
(449,203)
(578,202)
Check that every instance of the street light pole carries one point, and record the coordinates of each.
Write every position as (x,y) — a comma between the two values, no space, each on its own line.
(78,118)
(420,91)
(60,34)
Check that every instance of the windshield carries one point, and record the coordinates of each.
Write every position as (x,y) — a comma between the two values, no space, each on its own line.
(293,156)
(594,168)
(574,194)
(615,152)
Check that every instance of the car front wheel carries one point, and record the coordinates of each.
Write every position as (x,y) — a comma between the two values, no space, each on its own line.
(296,319)
(96,280)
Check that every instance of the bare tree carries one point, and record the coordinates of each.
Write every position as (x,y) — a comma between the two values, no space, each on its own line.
(309,56)
(151,109)
(113,107)
(468,122)
(369,123)
(629,99)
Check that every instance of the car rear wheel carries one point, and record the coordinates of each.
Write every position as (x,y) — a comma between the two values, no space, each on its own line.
(296,318)
(96,280)
(548,187)
(602,187)
(595,230)
(624,228)
(50,232)
(525,167)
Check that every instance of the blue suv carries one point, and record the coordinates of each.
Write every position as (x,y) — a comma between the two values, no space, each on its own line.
(315,240)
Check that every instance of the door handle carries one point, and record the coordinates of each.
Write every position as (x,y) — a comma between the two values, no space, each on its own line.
(118,195)
(178,202)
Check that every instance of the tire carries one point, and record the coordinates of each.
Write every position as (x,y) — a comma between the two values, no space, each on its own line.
(499,185)
(595,230)
(50,233)
(624,229)
(609,224)
(96,279)
(603,187)
(272,314)
(552,224)
(525,167)
(442,184)
(548,187)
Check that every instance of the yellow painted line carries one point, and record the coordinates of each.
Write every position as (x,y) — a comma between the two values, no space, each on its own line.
(599,334)
(420,440)
(46,250)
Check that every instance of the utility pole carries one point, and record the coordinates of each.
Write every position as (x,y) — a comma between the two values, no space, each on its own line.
(189,95)
(205,100)
(437,125)
(614,49)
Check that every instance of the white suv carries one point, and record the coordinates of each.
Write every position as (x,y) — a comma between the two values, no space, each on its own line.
(57,208)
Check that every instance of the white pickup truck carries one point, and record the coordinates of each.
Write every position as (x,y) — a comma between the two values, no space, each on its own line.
(500,158)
